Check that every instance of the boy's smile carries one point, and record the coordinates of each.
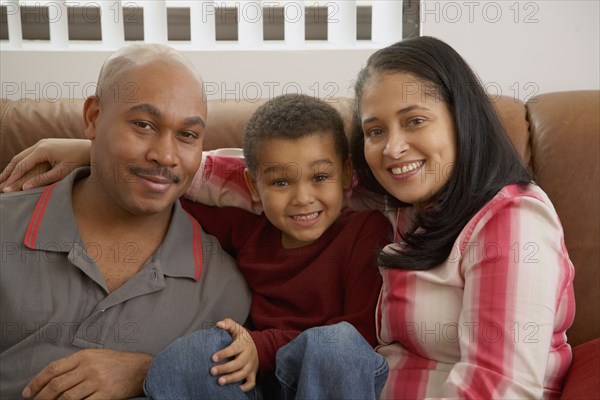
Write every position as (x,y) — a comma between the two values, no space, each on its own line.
(300,183)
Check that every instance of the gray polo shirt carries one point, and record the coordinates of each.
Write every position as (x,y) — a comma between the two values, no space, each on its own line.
(54,301)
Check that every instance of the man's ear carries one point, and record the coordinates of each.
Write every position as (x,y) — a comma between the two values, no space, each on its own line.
(251,183)
(91,110)
(347,174)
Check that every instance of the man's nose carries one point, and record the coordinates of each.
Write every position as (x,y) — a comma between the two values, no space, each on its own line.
(164,150)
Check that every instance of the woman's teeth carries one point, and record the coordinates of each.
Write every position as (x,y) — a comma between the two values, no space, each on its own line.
(407,168)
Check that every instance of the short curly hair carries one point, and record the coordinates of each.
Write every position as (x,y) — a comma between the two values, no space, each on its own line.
(292,116)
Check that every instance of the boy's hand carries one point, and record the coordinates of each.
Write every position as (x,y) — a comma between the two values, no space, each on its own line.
(244,364)
(46,162)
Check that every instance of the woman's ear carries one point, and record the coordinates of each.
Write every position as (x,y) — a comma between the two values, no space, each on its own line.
(251,183)
(91,110)
(347,174)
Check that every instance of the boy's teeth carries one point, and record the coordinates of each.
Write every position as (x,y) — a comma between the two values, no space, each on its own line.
(306,217)
(407,168)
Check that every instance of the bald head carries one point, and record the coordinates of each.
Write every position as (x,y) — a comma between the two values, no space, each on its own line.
(134,57)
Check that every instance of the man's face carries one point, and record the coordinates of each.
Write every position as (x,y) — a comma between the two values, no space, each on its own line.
(147,130)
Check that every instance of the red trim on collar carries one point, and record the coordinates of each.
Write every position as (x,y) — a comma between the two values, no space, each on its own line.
(38,215)
(197,246)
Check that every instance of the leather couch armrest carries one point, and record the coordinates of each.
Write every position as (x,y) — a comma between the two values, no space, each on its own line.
(583,379)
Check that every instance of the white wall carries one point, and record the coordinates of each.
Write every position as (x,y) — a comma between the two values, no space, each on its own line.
(519,49)
(522,48)
(233,75)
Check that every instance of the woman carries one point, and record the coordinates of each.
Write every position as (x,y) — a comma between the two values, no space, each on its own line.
(477,291)
(477,286)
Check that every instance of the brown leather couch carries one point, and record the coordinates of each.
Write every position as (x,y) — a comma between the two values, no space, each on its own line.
(557,134)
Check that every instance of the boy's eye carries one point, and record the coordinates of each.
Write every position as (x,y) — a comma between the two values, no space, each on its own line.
(320,178)
(280,182)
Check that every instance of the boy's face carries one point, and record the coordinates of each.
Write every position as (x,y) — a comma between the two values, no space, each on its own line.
(301,185)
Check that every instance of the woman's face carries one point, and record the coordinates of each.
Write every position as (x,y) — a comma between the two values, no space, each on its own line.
(410,140)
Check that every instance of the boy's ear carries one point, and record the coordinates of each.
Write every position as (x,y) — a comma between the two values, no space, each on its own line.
(91,110)
(251,183)
(347,174)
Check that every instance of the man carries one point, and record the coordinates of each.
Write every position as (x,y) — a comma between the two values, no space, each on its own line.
(104,269)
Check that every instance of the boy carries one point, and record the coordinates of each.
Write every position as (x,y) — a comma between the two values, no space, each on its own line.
(308,261)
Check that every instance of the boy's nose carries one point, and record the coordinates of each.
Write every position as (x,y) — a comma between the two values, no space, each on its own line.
(303,195)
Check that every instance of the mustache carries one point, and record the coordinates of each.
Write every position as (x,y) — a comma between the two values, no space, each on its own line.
(159,171)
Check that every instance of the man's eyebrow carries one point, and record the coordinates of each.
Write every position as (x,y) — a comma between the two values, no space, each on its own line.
(401,111)
(189,121)
(155,112)
(147,108)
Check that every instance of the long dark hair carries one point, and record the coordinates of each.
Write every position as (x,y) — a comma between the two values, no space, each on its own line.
(486,160)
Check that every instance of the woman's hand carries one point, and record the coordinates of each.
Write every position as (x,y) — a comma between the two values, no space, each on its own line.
(47,161)
(244,362)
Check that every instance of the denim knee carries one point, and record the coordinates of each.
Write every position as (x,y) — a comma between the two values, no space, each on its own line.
(184,363)
(315,365)
(333,340)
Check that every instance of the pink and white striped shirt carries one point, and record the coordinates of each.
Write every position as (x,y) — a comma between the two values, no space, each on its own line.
(490,321)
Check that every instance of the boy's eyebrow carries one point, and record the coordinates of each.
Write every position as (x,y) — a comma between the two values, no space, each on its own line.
(401,111)
(155,112)
(279,166)
(322,161)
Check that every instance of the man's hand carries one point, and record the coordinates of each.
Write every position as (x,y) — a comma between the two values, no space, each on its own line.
(92,374)
(244,364)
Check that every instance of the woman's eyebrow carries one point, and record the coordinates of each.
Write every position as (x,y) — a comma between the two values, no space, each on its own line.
(404,110)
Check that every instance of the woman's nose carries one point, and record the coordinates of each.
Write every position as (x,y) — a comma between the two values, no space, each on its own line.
(396,145)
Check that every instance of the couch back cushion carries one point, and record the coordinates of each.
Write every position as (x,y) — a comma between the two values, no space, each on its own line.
(24,122)
(565,137)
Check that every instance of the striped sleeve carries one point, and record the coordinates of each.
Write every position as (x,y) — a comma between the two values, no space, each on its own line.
(220,181)
(518,301)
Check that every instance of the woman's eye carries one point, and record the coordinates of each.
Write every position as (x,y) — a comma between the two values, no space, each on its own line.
(373,132)
(320,178)
(416,121)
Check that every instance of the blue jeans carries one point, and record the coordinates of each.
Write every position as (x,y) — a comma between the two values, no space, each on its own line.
(329,362)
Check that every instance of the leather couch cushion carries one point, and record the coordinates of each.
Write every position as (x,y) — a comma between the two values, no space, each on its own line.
(565,135)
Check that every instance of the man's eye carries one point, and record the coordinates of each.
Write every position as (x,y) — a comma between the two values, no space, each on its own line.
(142,124)
(188,135)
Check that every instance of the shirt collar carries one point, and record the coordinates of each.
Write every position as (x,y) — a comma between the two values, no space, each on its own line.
(53,228)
